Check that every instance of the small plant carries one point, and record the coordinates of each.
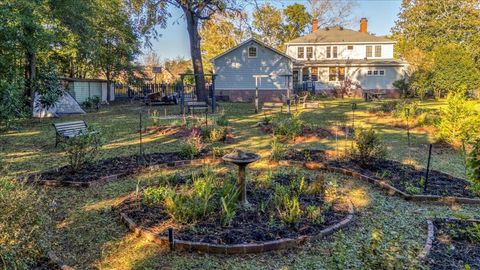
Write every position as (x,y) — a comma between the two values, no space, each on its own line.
(228,198)
(92,102)
(193,145)
(317,187)
(411,188)
(217,151)
(218,134)
(267,120)
(287,125)
(331,190)
(155,195)
(473,233)
(288,205)
(368,146)
(83,148)
(155,117)
(277,151)
(406,110)
(307,155)
(314,213)
(222,121)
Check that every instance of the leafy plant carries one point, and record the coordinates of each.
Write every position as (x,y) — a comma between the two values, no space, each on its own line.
(83,148)
(287,125)
(155,195)
(288,205)
(192,147)
(473,164)
(406,110)
(12,106)
(277,150)
(228,199)
(314,213)
(411,188)
(49,86)
(223,121)
(94,102)
(368,146)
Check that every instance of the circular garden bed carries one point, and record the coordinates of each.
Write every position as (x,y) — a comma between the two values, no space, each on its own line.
(285,208)
(406,180)
(456,244)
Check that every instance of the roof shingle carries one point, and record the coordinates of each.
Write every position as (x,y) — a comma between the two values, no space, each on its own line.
(338,34)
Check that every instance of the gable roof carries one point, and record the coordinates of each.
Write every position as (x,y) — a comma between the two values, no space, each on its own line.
(256,41)
(339,34)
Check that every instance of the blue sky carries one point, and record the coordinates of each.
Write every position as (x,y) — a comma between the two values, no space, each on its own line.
(174,41)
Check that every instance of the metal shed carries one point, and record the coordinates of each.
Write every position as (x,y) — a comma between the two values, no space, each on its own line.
(82,89)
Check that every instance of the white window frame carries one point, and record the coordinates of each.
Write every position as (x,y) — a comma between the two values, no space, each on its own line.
(306,52)
(334,52)
(256,51)
(328,52)
(298,51)
(375,51)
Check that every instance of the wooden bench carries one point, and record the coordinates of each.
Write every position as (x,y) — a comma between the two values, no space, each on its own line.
(67,130)
(270,106)
(196,105)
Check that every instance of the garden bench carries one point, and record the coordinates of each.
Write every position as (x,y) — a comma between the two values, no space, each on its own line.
(270,106)
(197,105)
(67,130)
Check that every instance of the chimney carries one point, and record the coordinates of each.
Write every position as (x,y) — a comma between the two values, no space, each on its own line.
(363,25)
(314,25)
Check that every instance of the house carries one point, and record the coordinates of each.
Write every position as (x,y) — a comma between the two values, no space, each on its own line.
(236,68)
(81,89)
(326,57)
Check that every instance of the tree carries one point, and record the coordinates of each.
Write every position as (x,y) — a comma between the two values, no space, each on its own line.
(296,21)
(268,25)
(222,32)
(332,12)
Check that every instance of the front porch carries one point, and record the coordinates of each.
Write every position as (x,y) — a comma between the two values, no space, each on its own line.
(317,78)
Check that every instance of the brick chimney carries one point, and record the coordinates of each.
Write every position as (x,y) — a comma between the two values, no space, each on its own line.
(363,25)
(314,25)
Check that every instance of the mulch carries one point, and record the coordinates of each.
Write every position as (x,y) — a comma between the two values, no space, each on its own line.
(453,247)
(250,225)
(124,165)
(397,174)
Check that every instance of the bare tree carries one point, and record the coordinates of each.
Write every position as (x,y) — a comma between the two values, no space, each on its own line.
(332,12)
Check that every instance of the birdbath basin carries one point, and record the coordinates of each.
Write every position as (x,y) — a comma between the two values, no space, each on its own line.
(241,159)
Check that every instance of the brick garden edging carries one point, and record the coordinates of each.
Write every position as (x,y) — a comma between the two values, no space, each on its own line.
(382,184)
(190,246)
(109,178)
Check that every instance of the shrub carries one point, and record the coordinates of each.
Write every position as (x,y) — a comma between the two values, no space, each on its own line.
(12,106)
(94,102)
(193,146)
(83,148)
(427,119)
(22,237)
(218,134)
(49,86)
(222,121)
(287,125)
(403,85)
(155,195)
(459,121)
(368,146)
(278,150)
(406,110)
(473,165)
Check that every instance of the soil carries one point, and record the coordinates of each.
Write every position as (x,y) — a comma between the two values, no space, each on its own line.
(310,134)
(125,165)
(453,247)
(250,225)
(176,131)
(400,175)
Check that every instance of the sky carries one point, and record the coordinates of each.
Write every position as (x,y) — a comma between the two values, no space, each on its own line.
(174,40)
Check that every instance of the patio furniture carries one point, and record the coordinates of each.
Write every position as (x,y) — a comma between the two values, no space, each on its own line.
(68,130)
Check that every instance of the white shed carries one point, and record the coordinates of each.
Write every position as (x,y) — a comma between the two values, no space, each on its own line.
(81,89)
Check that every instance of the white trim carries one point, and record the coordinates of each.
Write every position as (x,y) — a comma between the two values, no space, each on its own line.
(372,72)
(243,88)
(342,42)
(256,41)
(248,51)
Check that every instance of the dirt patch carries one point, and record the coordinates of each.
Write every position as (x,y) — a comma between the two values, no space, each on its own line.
(175,131)
(250,225)
(125,165)
(456,244)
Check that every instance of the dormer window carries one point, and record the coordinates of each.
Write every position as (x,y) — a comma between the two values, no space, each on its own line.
(252,52)
(300,52)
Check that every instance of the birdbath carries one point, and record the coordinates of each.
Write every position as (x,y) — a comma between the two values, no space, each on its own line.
(241,159)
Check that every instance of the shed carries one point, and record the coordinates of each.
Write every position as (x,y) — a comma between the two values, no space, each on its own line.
(236,68)
(82,89)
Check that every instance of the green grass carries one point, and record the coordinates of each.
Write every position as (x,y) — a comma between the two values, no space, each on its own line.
(85,233)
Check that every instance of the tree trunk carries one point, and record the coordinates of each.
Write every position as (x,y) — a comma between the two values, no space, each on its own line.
(31,62)
(192,27)
(108,75)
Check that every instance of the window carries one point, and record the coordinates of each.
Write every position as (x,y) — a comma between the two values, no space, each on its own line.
(300,52)
(329,52)
(252,52)
(332,74)
(369,51)
(341,74)
(314,73)
(335,52)
(350,47)
(378,51)
(376,72)
(309,52)
(336,74)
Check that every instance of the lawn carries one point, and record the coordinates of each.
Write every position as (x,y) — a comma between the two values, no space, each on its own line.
(86,234)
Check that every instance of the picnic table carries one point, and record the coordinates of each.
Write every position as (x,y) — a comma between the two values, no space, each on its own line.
(374,95)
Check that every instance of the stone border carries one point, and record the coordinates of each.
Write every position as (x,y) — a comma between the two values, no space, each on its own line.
(55,260)
(189,246)
(109,178)
(383,184)
(428,243)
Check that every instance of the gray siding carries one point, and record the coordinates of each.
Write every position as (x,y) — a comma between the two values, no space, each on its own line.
(235,69)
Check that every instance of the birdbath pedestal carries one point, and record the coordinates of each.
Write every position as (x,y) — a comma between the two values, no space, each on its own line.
(241,159)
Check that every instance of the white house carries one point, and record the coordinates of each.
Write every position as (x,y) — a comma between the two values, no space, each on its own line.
(236,68)
(326,57)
